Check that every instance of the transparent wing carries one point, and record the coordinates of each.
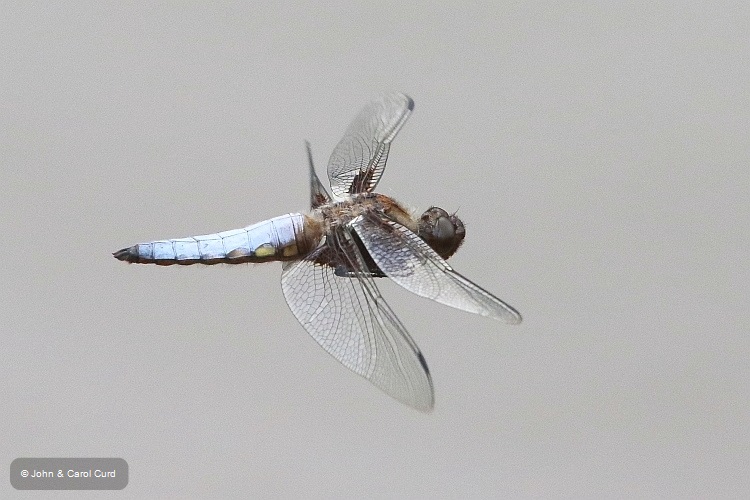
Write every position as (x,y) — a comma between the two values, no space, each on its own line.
(410,262)
(350,319)
(318,194)
(358,161)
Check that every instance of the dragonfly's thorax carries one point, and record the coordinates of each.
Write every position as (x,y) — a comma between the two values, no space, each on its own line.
(341,213)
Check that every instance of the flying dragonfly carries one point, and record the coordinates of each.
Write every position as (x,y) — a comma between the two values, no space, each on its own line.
(332,256)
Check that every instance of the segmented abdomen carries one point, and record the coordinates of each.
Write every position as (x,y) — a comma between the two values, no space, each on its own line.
(280,238)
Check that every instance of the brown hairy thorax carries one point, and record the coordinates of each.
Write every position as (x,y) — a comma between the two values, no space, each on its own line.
(341,213)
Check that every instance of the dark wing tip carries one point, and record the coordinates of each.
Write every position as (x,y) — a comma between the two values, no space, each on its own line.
(431,403)
(409,103)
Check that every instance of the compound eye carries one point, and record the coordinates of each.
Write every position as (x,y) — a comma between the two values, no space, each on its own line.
(444,229)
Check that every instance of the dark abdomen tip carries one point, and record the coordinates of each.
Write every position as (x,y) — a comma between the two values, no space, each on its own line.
(129,254)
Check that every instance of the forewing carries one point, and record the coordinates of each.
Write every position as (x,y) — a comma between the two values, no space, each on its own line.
(318,194)
(350,319)
(410,262)
(357,162)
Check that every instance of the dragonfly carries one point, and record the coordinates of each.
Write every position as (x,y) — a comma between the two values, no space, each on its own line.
(333,255)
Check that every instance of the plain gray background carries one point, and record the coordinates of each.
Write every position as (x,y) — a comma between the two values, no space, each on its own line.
(597,152)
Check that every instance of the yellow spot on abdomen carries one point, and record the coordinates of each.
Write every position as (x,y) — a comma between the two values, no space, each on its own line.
(265,250)
(289,251)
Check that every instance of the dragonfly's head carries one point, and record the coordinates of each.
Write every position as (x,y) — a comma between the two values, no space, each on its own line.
(442,231)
